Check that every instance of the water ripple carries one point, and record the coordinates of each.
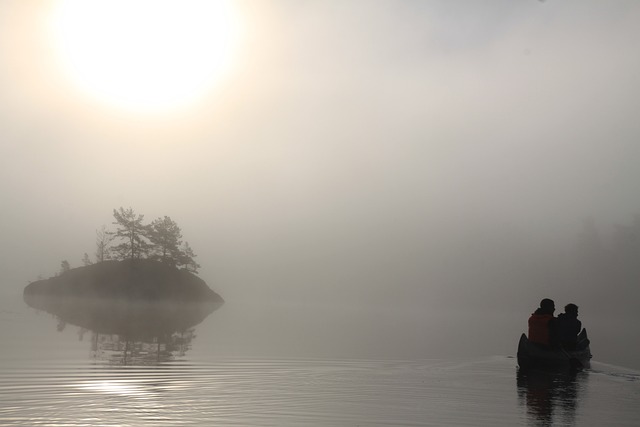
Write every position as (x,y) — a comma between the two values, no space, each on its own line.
(235,392)
(245,392)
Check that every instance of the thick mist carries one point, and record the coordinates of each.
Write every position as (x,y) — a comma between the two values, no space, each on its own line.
(402,169)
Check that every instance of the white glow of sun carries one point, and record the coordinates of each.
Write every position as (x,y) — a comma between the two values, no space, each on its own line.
(145,55)
(113,387)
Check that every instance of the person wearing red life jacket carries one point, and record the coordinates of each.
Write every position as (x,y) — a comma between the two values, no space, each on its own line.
(542,324)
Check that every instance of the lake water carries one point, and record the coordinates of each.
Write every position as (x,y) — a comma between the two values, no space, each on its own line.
(270,370)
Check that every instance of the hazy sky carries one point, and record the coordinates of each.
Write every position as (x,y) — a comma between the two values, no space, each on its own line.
(351,145)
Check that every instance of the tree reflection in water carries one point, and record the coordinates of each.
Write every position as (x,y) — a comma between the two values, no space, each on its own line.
(551,397)
(129,332)
(120,350)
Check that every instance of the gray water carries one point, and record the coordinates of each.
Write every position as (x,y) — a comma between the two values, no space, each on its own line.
(247,367)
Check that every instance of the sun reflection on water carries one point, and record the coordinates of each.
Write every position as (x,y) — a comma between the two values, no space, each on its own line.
(123,388)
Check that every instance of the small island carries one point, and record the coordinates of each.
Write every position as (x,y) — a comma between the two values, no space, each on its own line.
(149,263)
(143,282)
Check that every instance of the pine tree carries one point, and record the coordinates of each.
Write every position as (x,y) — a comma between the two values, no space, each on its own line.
(103,241)
(165,235)
(133,232)
(64,266)
(86,260)
(187,259)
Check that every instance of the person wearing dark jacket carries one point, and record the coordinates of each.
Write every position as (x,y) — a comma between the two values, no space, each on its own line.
(542,330)
(568,327)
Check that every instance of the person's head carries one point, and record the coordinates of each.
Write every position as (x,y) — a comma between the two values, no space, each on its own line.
(547,305)
(571,309)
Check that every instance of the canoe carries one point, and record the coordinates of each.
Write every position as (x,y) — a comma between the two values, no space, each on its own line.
(531,355)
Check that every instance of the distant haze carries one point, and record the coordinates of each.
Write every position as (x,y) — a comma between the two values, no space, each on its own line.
(389,153)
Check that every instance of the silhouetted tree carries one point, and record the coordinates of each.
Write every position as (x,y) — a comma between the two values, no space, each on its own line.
(65,266)
(160,240)
(165,235)
(187,259)
(86,260)
(103,240)
(133,231)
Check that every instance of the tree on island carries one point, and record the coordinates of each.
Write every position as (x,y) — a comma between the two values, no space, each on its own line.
(167,247)
(133,231)
(161,241)
(86,260)
(187,259)
(103,241)
(165,236)
(64,266)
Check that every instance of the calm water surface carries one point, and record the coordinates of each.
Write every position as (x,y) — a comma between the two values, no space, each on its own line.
(52,374)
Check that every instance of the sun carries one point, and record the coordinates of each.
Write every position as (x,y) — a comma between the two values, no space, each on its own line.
(145,55)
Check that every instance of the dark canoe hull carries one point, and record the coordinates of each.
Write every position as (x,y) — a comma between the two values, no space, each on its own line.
(533,356)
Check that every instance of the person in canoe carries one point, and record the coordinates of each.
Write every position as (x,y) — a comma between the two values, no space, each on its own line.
(542,325)
(568,327)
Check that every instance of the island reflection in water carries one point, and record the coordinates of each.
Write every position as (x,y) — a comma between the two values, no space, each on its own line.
(128,332)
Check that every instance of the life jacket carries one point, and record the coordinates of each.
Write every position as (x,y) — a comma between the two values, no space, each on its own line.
(539,328)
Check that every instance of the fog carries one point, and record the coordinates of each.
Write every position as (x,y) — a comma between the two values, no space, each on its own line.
(405,158)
